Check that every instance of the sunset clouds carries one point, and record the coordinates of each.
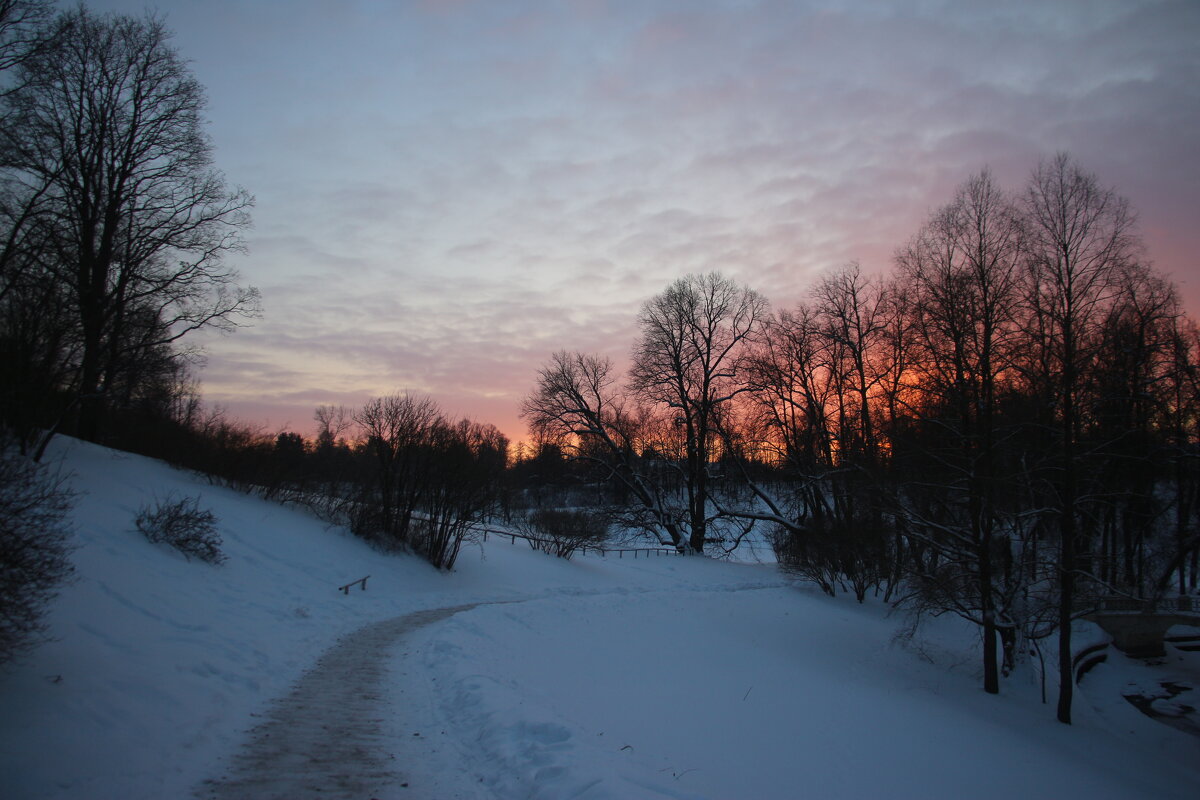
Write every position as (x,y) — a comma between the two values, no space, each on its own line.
(449,191)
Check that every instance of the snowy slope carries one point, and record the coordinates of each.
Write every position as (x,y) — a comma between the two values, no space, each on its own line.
(596,678)
(764,693)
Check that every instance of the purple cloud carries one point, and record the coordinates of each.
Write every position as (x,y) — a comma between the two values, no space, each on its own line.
(449,191)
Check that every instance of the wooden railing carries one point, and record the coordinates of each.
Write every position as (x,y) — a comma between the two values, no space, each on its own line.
(361,582)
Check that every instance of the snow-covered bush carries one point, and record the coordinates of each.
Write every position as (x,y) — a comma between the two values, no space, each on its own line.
(185,526)
(34,535)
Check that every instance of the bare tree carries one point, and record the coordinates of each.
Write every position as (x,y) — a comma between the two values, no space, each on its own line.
(1082,236)
(1181,392)
(857,350)
(852,311)
(576,406)
(398,429)
(432,480)
(105,148)
(790,401)
(1129,420)
(963,270)
(332,422)
(688,360)
(37,347)
(466,461)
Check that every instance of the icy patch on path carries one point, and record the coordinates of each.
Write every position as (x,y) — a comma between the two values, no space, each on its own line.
(325,738)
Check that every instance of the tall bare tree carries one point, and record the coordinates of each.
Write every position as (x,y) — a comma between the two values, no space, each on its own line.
(1082,235)
(432,480)
(852,312)
(1128,421)
(963,269)
(104,145)
(791,389)
(688,360)
(397,428)
(1182,422)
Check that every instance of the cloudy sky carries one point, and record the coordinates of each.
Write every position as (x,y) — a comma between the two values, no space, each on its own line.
(448,191)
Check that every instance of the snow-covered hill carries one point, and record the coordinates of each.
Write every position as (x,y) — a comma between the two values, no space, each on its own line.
(595,678)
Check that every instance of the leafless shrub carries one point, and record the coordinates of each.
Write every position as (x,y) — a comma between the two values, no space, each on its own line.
(33,549)
(563,532)
(181,523)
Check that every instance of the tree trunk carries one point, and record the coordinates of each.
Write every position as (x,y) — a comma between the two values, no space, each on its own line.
(1068,552)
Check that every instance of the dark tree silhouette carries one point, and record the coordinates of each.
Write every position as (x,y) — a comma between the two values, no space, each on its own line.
(1081,237)
(577,406)
(964,271)
(688,360)
(105,155)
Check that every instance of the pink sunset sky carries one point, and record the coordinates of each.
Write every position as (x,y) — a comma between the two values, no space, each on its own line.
(447,192)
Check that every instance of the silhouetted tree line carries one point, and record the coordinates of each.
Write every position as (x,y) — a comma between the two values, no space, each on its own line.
(1004,428)
(398,472)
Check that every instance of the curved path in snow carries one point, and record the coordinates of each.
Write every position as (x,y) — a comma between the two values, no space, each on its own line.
(324,739)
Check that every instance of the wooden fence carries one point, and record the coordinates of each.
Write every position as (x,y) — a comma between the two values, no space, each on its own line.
(604,551)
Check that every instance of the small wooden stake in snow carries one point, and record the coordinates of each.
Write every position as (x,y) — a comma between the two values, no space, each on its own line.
(361,581)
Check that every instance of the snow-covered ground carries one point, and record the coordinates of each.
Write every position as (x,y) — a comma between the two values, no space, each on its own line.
(594,678)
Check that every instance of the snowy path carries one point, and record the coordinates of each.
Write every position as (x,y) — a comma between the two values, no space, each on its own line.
(325,738)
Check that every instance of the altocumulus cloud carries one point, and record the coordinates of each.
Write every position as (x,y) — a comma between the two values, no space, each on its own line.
(449,191)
